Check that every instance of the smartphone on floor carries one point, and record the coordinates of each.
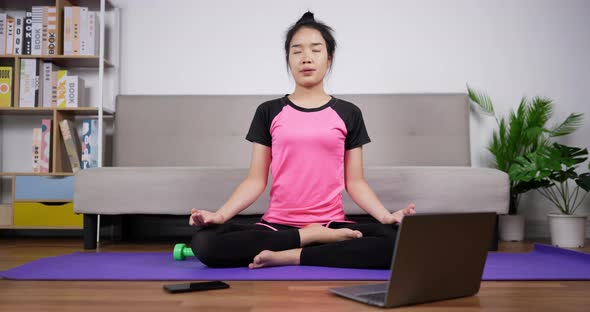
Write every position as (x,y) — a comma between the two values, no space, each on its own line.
(198,286)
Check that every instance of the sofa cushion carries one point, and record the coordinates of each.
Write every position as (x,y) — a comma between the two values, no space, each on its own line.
(175,190)
(210,130)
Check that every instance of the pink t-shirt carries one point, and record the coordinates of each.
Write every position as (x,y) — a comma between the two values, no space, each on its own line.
(307,165)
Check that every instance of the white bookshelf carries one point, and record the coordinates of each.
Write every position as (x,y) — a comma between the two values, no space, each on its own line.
(102,80)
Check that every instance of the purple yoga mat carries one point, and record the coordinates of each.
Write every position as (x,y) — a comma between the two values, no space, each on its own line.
(543,263)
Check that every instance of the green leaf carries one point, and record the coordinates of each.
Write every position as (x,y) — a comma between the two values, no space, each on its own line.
(539,112)
(523,170)
(562,176)
(481,99)
(517,123)
(569,156)
(584,181)
(498,147)
(569,125)
(523,187)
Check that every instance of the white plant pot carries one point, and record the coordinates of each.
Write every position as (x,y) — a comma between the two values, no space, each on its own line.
(511,228)
(567,230)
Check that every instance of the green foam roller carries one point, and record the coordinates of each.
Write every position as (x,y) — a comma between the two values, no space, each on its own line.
(181,251)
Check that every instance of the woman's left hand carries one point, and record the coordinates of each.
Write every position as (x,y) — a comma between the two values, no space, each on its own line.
(396,217)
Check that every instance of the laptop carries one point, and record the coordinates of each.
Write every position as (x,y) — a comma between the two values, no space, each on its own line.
(436,257)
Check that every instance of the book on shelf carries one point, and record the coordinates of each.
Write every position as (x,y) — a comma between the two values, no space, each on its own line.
(30,32)
(80,31)
(89,137)
(28,82)
(3,17)
(18,34)
(35,31)
(37,138)
(81,147)
(45,145)
(5,86)
(37,36)
(74,91)
(48,85)
(49,45)
(44,84)
(69,89)
(62,81)
(71,143)
(93,30)
(42,147)
(9,35)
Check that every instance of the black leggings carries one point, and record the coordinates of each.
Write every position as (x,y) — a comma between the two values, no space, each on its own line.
(236,245)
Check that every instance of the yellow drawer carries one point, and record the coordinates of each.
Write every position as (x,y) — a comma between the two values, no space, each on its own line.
(46,214)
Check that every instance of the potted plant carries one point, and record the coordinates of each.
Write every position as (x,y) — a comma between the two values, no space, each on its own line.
(522,132)
(553,170)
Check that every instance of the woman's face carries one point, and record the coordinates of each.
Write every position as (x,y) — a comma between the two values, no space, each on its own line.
(308,57)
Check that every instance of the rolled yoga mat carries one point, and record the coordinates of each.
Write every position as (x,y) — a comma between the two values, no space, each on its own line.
(543,263)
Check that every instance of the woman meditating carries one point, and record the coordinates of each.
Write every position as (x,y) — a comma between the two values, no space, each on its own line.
(312,143)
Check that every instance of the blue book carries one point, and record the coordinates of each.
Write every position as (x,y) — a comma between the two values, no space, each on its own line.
(89,138)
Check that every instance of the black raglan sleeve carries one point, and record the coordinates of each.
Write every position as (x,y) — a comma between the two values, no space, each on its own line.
(259,131)
(357,132)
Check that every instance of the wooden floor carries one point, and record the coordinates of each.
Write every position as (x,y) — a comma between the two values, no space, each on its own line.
(250,296)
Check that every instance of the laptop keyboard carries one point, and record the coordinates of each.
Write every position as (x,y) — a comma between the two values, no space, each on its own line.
(378,297)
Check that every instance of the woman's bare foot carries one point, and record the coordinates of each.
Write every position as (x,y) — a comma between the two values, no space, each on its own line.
(316,233)
(267,258)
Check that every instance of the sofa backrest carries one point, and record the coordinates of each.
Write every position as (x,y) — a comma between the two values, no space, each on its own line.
(210,130)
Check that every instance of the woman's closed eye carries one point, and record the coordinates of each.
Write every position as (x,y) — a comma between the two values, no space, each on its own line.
(312,51)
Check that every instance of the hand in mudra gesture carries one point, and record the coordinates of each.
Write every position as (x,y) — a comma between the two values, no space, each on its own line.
(204,218)
(396,217)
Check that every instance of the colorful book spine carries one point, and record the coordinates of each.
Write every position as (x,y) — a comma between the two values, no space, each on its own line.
(76,33)
(69,136)
(62,81)
(89,137)
(37,149)
(54,87)
(45,145)
(28,33)
(44,24)
(68,33)
(45,82)
(9,35)
(92,33)
(18,35)
(28,82)
(5,86)
(37,38)
(39,84)
(3,24)
(52,30)
(84,31)
(74,91)
(48,83)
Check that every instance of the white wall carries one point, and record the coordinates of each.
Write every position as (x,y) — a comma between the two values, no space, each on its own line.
(507,48)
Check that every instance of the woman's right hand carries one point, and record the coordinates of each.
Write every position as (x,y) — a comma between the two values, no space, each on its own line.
(204,218)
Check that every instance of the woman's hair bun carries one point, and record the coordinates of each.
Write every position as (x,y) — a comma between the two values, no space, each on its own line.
(307,17)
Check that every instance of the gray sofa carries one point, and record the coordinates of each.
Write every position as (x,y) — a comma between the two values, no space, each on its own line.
(175,152)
